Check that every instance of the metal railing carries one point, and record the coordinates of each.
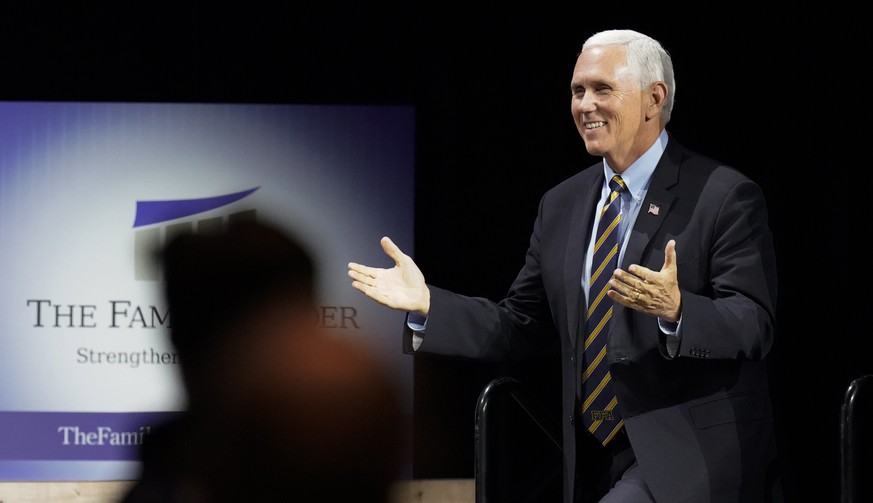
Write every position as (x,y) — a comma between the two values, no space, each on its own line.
(489,479)
(855,411)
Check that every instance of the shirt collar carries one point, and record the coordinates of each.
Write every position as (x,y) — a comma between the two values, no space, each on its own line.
(637,175)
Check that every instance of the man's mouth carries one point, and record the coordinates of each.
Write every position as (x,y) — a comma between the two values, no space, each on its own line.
(594,125)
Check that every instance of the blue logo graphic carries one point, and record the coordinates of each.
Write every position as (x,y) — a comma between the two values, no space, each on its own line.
(153,212)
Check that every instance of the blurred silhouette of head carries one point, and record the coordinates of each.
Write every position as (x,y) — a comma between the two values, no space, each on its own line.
(215,282)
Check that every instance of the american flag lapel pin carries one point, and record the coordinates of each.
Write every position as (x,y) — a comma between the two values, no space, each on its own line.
(654,209)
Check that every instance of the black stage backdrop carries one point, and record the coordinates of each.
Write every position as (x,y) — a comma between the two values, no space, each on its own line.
(775,93)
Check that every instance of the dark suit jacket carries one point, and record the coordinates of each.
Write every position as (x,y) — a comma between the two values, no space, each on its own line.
(699,423)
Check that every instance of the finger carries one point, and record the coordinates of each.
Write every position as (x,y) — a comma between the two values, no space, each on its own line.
(618,284)
(624,297)
(637,272)
(361,287)
(392,250)
(631,279)
(357,276)
(372,293)
(358,271)
(670,255)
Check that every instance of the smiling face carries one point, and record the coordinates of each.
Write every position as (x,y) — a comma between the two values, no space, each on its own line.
(616,119)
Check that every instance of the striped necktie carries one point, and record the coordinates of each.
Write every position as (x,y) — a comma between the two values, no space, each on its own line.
(599,412)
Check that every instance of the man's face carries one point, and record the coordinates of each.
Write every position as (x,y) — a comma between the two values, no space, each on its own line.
(608,106)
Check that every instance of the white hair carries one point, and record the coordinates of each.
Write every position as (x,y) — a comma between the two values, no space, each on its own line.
(647,59)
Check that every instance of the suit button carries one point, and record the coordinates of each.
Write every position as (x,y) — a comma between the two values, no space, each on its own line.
(572,421)
(573,361)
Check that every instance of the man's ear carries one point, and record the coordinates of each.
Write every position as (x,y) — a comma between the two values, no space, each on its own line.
(656,97)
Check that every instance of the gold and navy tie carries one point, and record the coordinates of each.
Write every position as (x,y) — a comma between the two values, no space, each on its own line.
(599,412)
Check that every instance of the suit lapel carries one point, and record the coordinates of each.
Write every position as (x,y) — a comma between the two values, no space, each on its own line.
(656,205)
(581,221)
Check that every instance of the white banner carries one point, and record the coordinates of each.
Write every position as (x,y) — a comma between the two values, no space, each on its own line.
(86,189)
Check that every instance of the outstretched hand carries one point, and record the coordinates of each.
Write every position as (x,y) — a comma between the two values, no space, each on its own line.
(402,287)
(651,292)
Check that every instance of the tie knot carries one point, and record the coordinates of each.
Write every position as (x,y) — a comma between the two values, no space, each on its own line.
(617,184)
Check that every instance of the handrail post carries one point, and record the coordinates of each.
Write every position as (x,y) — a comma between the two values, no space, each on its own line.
(848,440)
(512,387)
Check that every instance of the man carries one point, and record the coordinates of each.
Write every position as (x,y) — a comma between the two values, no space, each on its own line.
(687,316)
